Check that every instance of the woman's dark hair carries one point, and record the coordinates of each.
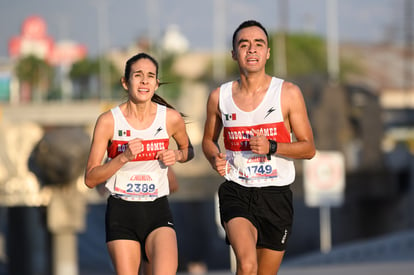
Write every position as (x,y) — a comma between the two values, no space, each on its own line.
(155,98)
(134,59)
(247,24)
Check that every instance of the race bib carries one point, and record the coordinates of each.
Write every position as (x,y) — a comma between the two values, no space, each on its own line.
(138,185)
(251,166)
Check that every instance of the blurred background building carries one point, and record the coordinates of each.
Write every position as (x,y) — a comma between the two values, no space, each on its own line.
(359,93)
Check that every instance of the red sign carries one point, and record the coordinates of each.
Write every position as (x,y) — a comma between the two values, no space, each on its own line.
(34,40)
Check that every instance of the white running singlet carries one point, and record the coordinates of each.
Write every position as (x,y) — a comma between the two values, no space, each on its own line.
(144,178)
(245,167)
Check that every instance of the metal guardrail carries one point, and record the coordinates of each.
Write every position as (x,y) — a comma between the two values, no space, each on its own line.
(398,246)
(73,113)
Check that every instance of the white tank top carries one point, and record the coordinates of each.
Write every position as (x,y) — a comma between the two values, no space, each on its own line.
(144,178)
(245,167)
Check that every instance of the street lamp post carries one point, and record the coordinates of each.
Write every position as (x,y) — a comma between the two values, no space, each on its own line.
(332,39)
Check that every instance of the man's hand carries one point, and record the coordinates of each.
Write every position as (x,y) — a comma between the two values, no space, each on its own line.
(259,143)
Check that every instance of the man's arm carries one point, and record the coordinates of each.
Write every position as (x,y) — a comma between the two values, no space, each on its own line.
(296,120)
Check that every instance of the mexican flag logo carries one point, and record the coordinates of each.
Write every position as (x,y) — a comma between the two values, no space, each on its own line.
(230,116)
(124,133)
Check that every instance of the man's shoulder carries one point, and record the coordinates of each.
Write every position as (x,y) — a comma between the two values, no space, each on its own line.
(228,83)
(290,92)
(223,86)
(290,86)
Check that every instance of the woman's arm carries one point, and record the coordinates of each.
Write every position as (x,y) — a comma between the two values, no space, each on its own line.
(96,171)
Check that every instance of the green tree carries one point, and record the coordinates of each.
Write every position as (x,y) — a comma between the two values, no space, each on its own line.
(81,74)
(86,71)
(305,54)
(169,79)
(109,78)
(35,77)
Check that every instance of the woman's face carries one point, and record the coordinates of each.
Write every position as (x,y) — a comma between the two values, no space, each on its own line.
(142,82)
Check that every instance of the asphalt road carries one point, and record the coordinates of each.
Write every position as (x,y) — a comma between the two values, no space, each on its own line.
(388,268)
(396,268)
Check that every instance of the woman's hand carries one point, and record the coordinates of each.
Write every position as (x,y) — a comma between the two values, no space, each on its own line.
(134,148)
(168,156)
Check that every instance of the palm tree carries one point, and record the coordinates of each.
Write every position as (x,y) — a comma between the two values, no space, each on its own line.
(35,77)
(81,74)
(85,71)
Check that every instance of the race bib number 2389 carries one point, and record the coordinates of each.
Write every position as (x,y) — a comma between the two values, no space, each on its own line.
(138,185)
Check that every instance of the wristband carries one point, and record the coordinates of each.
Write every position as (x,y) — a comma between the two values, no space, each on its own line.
(272,148)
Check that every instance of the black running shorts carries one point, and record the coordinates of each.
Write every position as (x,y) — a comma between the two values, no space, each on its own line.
(269,209)
(130,220)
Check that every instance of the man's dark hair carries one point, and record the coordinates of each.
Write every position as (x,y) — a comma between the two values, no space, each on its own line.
(247,24)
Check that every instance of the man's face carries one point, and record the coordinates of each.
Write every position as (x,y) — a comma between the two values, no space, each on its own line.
(251,49)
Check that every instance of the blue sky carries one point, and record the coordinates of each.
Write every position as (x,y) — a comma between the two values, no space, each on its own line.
(359,20)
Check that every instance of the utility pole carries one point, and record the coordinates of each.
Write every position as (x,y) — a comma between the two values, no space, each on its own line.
(279,57)
(332,39)
(219,33)
(154,29)
(408,35)
(64,69)
(102,13)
